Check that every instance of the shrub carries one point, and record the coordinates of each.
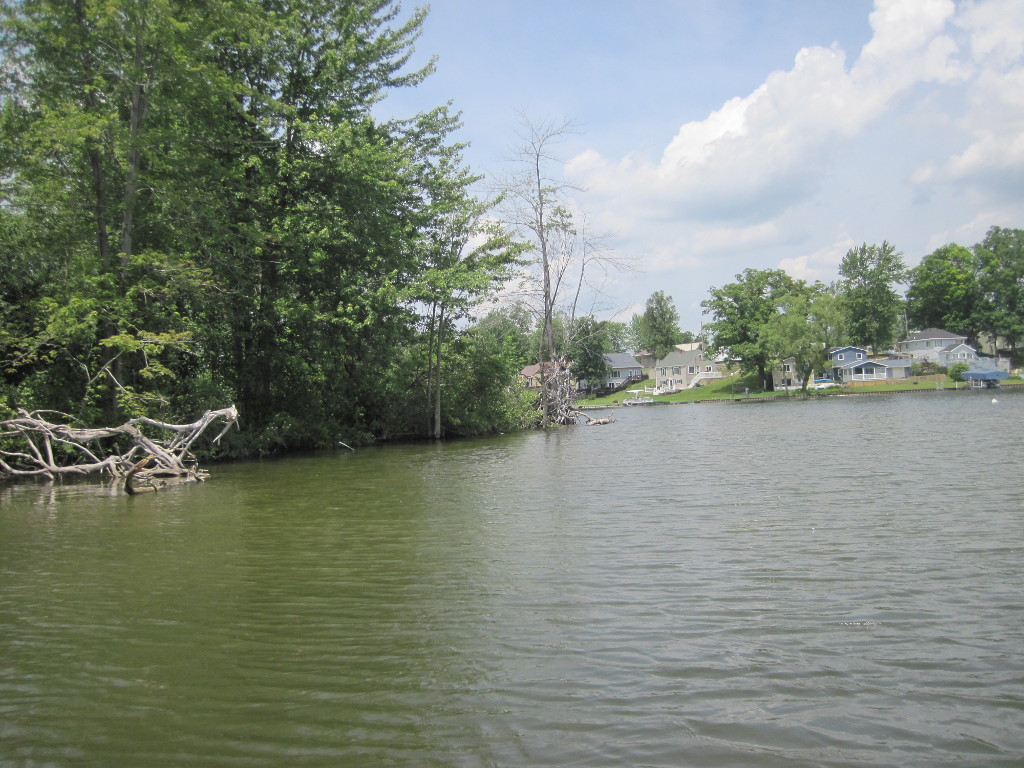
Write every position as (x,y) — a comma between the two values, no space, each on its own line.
(956,370)
(926,368)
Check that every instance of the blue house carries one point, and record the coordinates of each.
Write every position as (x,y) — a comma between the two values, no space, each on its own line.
(851,364)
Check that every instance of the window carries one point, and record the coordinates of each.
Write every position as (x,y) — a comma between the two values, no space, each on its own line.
(675,370)
(615,374)
(860,356)
(840,356)
(692,369)
(787,368)
(707,369)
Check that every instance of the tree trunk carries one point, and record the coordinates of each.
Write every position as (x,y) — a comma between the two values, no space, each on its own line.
(437,374)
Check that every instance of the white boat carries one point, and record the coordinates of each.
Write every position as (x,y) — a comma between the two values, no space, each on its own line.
(638,400)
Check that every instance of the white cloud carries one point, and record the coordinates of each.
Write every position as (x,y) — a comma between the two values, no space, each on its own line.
(994,117)
(758,155)
(821,265)
(922,129)
(718,239)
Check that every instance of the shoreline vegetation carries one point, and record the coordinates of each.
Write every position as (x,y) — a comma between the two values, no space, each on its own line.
(739,388)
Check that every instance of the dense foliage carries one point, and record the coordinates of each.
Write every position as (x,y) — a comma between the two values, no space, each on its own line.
(870,274)
(657,329)
(199,208)
(978,292)
(740,314)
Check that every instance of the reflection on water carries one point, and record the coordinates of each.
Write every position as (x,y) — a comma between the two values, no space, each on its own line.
(807,583)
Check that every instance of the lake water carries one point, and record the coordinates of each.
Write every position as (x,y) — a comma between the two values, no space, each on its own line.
(827,583)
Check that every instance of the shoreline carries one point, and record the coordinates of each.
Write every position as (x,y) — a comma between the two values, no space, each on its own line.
(763,398)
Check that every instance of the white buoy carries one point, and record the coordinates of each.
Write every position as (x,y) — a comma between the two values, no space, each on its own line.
(994,400)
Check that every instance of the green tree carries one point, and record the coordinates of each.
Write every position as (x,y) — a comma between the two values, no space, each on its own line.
(808,325)
(999,260)
(207,208)
(657,329)
(943,291)
(956,371)
(509,327)
(740,315)
(95,114)
(468,257)
(589,342)
(873,307)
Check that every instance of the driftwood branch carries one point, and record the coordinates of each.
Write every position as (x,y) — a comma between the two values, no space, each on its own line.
(592,421)
(33,446)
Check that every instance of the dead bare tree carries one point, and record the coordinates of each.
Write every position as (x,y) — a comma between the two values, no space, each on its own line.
(31,445)
(567,256)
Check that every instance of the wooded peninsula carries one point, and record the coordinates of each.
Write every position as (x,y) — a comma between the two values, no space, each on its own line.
(202,213)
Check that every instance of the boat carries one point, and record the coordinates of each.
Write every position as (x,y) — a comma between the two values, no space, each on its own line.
(639,400)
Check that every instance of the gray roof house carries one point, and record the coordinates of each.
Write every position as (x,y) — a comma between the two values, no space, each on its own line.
(957,353)
(945,348)
(850,364)
(882,369)
(930,343)
(623,368)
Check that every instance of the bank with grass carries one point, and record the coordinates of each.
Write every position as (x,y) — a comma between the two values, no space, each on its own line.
(739,387)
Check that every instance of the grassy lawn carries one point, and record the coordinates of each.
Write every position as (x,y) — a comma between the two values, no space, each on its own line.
(732,387)
(727,388)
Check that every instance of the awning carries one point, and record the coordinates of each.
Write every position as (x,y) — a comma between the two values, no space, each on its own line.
(985,375)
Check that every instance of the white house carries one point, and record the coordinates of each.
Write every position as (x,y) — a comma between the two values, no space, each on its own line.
(685,367)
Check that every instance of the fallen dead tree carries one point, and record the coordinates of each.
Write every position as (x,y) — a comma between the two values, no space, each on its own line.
(558,395)
(592,421)
(33,446)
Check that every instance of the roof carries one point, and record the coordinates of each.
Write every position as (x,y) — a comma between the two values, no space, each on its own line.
(957,345)
(532,370)
(896,362)
(984,375)
(621,360)
(933,333)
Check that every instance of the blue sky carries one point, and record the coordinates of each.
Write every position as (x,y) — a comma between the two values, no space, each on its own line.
(715,135)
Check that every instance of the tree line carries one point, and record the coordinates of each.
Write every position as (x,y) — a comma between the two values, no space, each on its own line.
(767,316)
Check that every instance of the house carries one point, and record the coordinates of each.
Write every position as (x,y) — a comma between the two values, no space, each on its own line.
(957,353)
(684,367)
(786,375)
(648,360)
(934,345)
(623,369)
(922,344)
(852,364)
(530,375)
(844,355)
(944,348)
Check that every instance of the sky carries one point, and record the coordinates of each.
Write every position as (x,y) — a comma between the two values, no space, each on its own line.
(715,135)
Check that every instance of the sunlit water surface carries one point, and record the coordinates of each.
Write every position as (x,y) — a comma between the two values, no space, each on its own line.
(761,584)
